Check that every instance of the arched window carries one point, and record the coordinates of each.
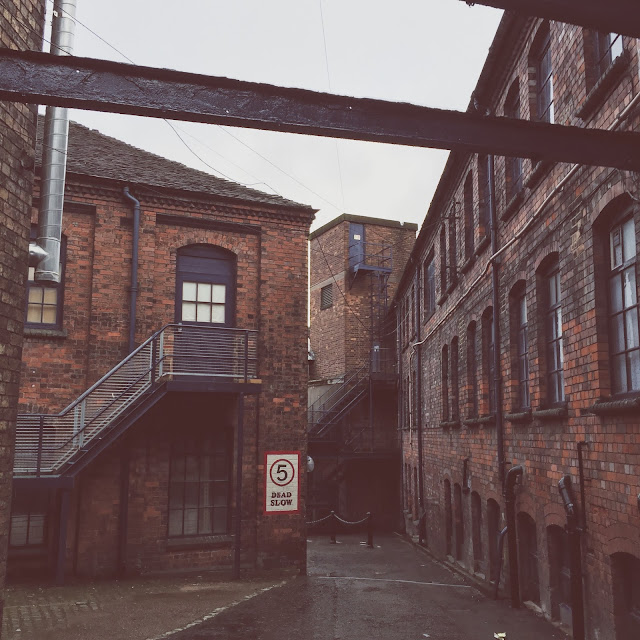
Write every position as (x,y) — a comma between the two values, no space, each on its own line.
(448,517)
(559,573)
(528,556)
(458,520)
(513,166)
(468,217)
(476,529)
(541,68)
(493,531)
(625,579)
(206,285)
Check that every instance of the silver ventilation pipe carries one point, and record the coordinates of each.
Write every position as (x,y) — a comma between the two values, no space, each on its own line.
(54,154)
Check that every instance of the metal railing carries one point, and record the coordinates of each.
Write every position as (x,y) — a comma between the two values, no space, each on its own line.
(45,443)
(374,255)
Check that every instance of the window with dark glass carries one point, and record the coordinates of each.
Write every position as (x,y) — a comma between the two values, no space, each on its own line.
(445,383)
(44,299)
(544,79)
(453,250)
(623,309)
(326,296)
(607,47)
(28,527)
(472,370)
(513,166)
(468,217)
(555,357)
(488,337)
(522,351)
(443,260)
(483,195)
(455,385)
(200,485)
(429,271)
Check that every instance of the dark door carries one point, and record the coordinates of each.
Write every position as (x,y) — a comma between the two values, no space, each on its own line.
(356,244)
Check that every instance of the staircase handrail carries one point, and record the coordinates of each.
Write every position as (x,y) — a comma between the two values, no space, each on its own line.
(71,429)
(335,390)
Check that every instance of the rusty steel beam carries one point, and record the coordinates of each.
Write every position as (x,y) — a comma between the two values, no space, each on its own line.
(608,16)
(100,85)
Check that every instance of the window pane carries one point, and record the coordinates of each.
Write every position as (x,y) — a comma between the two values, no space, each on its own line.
(177,468)
(634,365)
(220,520)
(190,522)
(176,496)
(629,288)
(217,313)
(615,293)
(32,274)
(218,292)
(189,291)
(206,521)
(188,311)
(18,530)
(36,528)
(36,294)
(34,313)
(192,468)
(203,313)
(175,523)
(219,494)
(616,45)
(191,494)
(50,295)
(617,334)
(619,374)
(631,322)
(204,292)
(628,240)
(49,315)
(206,494)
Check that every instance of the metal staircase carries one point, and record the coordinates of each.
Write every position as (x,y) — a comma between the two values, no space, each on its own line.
(56,445)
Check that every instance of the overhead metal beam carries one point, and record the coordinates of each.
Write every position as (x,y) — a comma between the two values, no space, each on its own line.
(100,85)
(609,16)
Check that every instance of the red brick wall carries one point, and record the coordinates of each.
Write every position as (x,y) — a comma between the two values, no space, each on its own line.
(21,27)
(545,444)
(271,298)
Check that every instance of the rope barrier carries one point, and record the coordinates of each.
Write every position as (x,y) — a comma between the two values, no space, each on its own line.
(335,517)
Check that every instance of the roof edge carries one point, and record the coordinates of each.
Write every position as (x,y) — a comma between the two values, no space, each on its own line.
(350,217)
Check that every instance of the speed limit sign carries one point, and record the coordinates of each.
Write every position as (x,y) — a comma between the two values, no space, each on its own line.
(282,481)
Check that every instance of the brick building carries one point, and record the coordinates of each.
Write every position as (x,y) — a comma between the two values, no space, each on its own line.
(531,360)
(356,263)
(21,27)
(140,378)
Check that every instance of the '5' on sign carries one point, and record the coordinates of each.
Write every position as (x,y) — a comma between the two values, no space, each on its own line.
(282,472)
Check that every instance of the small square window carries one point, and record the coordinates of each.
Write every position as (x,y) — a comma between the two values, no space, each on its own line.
(326,297)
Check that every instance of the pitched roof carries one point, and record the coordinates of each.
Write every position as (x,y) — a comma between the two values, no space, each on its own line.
(92,153)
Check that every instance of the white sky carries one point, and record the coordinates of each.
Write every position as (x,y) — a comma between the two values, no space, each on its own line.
(427,52)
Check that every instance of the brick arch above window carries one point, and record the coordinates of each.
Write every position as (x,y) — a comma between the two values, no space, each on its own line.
(621,538)
(547,255)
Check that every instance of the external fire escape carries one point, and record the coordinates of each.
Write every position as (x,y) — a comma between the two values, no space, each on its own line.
(52,449)
(341,422)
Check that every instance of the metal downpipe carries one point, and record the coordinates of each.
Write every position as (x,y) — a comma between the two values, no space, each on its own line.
(512,545)
(54,155)
(133,298)
(495,301)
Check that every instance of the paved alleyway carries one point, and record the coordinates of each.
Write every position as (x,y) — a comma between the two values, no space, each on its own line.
(352,592)
(393,591)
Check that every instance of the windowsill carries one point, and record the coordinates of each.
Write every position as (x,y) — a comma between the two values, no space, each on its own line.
(482,245)
(552,413)
(449,424)
(596,97)
(199,542)
(615,407)
(467,264)
(538,171)
(512,205)
(519,417)
(37,332)
(476,421)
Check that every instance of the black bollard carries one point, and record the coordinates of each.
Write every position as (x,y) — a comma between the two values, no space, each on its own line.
(332,527)
(369,530)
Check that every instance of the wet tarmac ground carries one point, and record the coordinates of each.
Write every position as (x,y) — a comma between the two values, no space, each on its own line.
(394,590)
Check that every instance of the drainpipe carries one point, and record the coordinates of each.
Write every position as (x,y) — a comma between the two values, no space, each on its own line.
(512,546)
(134,268)
(575,557)
(422,522)
(495,301)
(54,157)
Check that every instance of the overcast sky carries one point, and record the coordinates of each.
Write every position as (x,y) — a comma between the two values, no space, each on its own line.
(427,52)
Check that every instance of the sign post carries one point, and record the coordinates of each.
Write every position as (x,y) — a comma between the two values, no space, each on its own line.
(282,482)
